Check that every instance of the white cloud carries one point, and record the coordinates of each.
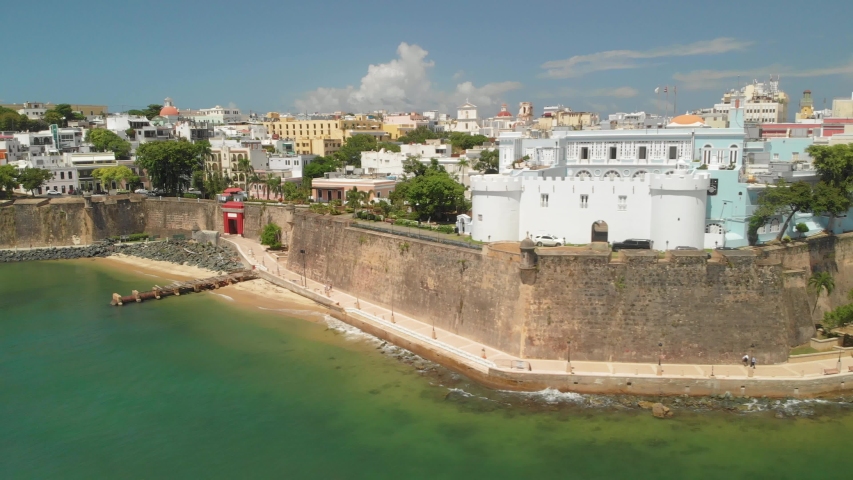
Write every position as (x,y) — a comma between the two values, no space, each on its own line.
(580,65)
(713,79)
(402,84)
(459,75)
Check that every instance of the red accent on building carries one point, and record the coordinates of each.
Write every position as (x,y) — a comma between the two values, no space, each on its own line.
(232,218)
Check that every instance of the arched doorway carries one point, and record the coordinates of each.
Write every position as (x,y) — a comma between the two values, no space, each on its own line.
(599,231)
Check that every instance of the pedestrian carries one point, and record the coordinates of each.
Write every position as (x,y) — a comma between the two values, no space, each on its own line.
(753,362)
(745,360)
(330,287)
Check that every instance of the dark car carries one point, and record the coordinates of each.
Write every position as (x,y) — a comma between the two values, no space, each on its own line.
(725,248)
(632,244)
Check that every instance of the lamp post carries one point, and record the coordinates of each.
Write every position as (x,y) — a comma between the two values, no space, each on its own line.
(304,277)
(660,355)
(569,356)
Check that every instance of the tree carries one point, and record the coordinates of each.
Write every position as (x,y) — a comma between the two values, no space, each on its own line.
(118,174)
(464,141)
(821,281)
(489,162)
(8,179)
(104,140)
(783,199)
(388,146)
(274,185)
(418,135)
(54,118)
(834,163)
(33,178)
(432,194)
(214,183)
(414,166)
(355,198)
(350,153)
(319,166)
(271,236)
(170,165)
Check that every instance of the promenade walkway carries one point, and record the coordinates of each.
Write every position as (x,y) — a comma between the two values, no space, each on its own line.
(472,353)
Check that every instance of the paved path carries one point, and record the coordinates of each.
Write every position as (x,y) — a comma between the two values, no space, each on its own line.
(422,332)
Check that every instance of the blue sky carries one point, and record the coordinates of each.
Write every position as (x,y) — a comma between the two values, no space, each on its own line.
(322,56)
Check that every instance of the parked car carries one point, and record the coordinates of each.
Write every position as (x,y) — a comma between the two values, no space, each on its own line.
(548,241)
(725,248)
(682,247)
(633,244)
(54,192)
(141,191)
(194,191)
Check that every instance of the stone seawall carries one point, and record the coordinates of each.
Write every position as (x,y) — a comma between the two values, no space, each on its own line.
(701,311)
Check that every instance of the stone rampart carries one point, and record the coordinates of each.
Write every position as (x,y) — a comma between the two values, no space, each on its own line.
(701,311)
(173,216)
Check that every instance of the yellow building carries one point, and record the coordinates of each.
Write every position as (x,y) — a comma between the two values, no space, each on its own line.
(321,137)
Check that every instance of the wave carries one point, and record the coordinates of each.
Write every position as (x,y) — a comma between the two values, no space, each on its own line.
(226,297)
(294,312)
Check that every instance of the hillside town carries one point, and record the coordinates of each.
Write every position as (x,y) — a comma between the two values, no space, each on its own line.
(697,180)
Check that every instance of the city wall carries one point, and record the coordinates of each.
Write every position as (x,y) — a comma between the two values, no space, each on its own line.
(700,311)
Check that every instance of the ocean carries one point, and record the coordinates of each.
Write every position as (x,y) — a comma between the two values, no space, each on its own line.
(201,386)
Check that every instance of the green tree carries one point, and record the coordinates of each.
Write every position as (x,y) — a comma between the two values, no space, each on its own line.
(388,146)
(214,183)
(488,162)
(8,179)
(104,140)
(418,135)
(54,118)
(274,185)
(118,174)
(433,194)
(413,166)
(271,236)
(33,178)
(350,152)
(319,166)
(783,199)
(464,141)
(820,281)
(356,198)
(170,165)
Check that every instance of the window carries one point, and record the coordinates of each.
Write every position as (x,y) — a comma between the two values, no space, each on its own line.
(63,189)
(612,155)
(643,153)
(774,225)
(340,195)
(584,153)
(584,201)
(623,203)
(543,200)
(378,194)
(673,153)
(480,217)
(775,156)
(62,175)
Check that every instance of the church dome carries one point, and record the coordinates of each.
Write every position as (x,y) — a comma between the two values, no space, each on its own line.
(168,111)
(504,112)
(687,121)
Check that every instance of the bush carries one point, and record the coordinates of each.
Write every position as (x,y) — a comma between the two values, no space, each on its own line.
(271,236)
(446,228)
(189,195)
(786,239)
(802,228)
(703,167)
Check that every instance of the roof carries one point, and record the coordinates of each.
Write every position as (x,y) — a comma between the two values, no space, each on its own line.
(504,114)
(687,120)
(468,105)
(232,205)
(233,190)
(168,111)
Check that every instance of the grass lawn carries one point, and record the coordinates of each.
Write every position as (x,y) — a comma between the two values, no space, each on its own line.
(803,350)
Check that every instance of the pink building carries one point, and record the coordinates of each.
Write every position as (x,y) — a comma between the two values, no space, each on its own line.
(327,189)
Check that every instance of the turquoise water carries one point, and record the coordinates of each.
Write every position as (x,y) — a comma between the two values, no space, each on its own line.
(200,387)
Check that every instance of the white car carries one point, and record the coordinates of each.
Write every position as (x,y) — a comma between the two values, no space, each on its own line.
(141,191)
(548,241)
(54,192)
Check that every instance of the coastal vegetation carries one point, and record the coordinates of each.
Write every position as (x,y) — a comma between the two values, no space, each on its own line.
(170,165)
(271,236)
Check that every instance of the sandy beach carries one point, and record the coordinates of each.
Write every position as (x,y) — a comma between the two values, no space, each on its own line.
(257,293)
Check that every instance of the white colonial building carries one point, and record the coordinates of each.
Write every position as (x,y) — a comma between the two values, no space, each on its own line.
(466,120)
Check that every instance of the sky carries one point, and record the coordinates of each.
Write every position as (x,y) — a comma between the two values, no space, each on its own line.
(316,56)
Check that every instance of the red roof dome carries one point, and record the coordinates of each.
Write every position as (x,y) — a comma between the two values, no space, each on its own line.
(168,111)
(504,114)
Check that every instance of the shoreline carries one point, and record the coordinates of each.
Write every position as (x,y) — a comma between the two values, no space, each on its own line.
(255,293)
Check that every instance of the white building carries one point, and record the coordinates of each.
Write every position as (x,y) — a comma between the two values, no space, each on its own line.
(761,102)
(668,209)
(34,110)
(391,163)
(466,120)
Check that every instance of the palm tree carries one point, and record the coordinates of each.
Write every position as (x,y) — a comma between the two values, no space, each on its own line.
(463,164)
(244,166)
(274,185)
(821,281)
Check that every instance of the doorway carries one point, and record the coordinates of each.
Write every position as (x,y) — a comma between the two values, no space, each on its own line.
(599,231)
(232,226)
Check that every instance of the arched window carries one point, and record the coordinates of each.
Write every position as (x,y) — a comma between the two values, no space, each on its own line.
(715,228)
(669,172)
(583,174)
(611,174)
(706,154)
(640,174)
(774,225)
(733,154)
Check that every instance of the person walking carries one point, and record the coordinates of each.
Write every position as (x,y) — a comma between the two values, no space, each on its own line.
(745,360)
(753,362)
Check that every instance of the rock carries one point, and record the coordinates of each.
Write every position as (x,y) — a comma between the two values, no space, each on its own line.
(647,405)
(661,411)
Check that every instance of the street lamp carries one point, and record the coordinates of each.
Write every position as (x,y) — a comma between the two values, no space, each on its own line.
(569,348)
(660,344)
(304,277)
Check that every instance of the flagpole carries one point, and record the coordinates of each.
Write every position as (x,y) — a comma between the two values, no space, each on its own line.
(675,101)
(666,111)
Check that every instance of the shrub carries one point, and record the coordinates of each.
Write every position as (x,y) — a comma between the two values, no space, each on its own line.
(189,195)
(802,228)
(445,228)
(271,236)
(786,239)
(703,167)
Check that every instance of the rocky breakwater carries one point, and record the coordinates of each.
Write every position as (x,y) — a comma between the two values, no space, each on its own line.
(180,252)
(54,253)
(194,254)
